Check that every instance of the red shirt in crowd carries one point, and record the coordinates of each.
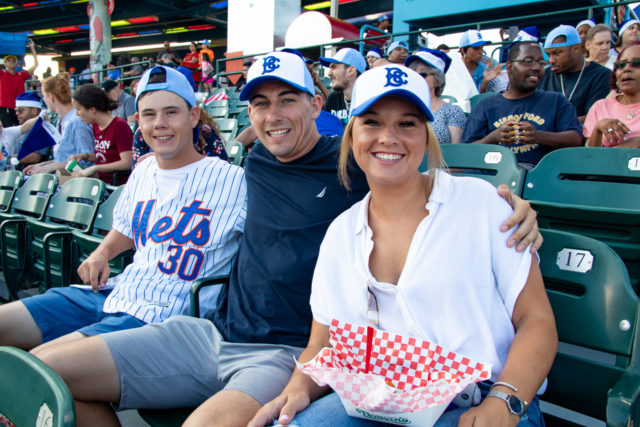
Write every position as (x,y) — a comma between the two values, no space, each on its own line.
(11,85)
(109,143)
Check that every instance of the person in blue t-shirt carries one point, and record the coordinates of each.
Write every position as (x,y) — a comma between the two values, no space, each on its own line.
(530,122)
(243,357)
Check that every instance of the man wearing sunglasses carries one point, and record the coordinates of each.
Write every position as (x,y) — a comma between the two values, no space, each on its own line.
(529,122)
(581,82)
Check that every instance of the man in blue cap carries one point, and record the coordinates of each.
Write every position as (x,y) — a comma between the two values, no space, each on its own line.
(344,68)
(397,52)
(578,80)
(28,106)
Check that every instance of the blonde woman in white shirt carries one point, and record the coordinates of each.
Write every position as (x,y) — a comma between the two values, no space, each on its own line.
(421,255)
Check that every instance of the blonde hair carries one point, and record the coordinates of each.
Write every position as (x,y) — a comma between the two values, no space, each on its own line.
(58,87)
(436,161)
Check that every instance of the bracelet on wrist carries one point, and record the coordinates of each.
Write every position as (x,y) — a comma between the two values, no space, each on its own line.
(504,384)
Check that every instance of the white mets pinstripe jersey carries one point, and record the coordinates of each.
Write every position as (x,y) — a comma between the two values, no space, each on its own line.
(194,232)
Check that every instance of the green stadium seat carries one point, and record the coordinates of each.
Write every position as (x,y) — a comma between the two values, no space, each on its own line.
(243,118)
(594,192)
(218,109)
(236,107)
(473,101)
(31,393)
(85,243)
(228,129)
(48,240)
(10,181)
(449,99)
(236,153)
(493,163)
(596,371)
(31,200)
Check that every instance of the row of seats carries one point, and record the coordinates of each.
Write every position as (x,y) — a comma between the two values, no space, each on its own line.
(45,234)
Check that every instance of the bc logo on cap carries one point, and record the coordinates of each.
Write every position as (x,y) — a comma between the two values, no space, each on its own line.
(270,64)
(395,77)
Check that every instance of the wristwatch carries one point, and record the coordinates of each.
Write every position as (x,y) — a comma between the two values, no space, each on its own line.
(516,405)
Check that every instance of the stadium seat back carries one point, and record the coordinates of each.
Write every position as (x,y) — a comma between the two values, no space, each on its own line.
(10,182)
(33,197)
(236,153)
(218,108)
(243,118)
(594,192)
(493,163)
(236,107)
(73,207)
(31,393)
(228,129)
(596,312)
(473,101)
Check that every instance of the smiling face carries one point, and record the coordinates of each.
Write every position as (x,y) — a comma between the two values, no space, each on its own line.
(10,64)
(284,119)
(389,141)
(166,123)
(628,78)
(524,78)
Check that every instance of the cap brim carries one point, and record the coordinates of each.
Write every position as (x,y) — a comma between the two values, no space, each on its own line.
(326,61)
(245,93)
(401,93)
(478,43)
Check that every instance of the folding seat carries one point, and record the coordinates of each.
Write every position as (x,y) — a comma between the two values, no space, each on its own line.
(48,257)
(236,153)
(31,200)
(596,372)
(31,393)
(593,192)
(218,109)
(228,129)
(10,181)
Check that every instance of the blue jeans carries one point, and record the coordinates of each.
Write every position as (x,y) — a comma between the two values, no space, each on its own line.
(329,412)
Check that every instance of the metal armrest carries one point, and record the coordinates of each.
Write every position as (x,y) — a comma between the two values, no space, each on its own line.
(197,287)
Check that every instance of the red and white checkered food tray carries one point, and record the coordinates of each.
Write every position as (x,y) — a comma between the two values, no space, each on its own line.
(385,373)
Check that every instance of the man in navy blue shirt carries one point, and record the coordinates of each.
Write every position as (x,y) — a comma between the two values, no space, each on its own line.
(243,357)
(529,122)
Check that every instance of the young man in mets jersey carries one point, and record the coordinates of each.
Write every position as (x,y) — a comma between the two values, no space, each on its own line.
(182,212)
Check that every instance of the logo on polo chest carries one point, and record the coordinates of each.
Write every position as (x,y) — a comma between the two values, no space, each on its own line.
(270,64)
(396,77)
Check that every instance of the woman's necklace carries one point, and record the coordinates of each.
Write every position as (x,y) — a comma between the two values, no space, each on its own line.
(626,102)
(584,63)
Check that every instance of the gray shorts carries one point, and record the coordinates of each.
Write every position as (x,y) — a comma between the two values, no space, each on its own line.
(183,361)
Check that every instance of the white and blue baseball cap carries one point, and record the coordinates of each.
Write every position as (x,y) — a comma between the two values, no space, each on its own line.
(590,22)
(570,34)
(284,66)
(375,52)
(432,57)
(174,82)
(390,80)
(626,24)
(29,99)
(472,38)
(396,45)
(347,56)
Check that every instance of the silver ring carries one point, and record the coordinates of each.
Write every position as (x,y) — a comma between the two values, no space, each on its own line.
(610,130)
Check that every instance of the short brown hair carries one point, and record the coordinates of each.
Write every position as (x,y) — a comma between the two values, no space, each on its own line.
(58,86)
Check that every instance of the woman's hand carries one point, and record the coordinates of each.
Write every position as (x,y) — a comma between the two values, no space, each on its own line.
(77,157)
(491,73)
(283,408)
(492,412)
(613,130)
(86,173)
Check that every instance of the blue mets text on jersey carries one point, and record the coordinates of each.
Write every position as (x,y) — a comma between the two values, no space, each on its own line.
(161,232)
